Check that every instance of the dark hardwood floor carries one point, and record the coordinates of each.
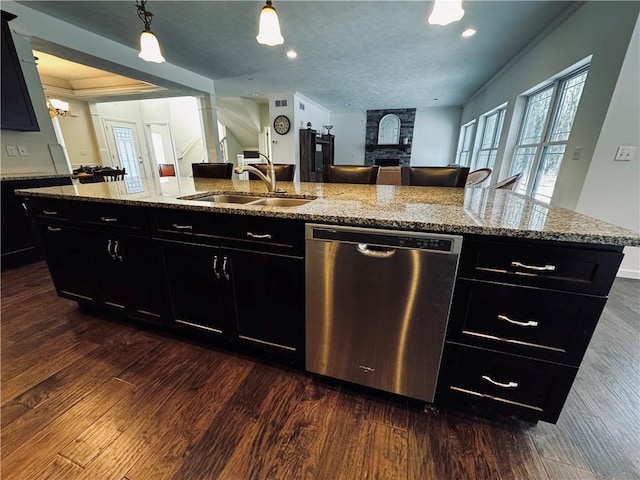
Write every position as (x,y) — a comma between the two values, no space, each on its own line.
(89,397)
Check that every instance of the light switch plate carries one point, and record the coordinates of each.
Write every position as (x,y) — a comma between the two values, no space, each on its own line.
(12,150)
(625,154)
(22,150)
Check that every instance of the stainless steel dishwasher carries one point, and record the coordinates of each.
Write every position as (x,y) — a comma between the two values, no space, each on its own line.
(377,305)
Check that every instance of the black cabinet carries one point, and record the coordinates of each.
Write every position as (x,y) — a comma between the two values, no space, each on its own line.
(199,291)
(522,316)
(269,299)
(17,240)
(98,266)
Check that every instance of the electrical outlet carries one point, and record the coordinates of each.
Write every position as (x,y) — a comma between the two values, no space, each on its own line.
(625,154)
(576,153)
(22,151)
(12,150)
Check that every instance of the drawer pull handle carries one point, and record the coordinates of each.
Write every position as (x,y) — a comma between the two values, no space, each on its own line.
(537,268)
(530,323)
(182,227)
(259,235)
(215,267)
(224,268)
(499,384)
(49,212)
(24,206)
(54,229)
(108,219)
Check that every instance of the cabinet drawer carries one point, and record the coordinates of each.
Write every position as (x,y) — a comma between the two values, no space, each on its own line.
(555,267)
(546,324)
(509,384)
(271,234)
(48,210)
(119,218)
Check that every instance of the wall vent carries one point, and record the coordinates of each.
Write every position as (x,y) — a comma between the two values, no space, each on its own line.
(301,105)
(281,103)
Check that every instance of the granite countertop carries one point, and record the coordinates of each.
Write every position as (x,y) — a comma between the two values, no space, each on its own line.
(31,176)
(432,209)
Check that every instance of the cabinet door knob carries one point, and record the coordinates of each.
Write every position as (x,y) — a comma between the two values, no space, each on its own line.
(530,323)
(536,268)
(259,235)
(109,219)
(499,384)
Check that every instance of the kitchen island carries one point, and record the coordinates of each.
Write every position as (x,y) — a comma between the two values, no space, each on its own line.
(531,282)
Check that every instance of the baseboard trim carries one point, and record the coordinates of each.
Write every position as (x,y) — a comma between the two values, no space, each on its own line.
(628,273)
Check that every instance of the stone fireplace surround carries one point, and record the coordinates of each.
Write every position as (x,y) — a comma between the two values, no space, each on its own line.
(384,154)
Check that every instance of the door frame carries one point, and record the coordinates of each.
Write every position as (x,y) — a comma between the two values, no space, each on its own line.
(143,160)
(149,143)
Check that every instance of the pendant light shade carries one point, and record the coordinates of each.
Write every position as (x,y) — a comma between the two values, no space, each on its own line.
(269,30)
(446,12)
(150,48)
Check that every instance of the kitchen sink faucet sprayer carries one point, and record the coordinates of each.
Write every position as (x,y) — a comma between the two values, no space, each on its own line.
(269,178)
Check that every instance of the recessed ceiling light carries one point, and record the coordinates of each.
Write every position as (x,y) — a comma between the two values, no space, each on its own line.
(292,54)
(347,104)
(469,32)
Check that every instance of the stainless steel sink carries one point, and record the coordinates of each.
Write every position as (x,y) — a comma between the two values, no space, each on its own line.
(251,200)
(281,202)
(224,198)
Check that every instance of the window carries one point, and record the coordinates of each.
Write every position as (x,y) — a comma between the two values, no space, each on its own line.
(489,139)
(547,122)
(465,144)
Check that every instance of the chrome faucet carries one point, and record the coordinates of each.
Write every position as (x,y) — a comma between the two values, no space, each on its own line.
(269,178)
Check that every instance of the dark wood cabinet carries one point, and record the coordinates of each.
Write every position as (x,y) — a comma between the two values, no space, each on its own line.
(17,240)
(269,299)
(199,293)
(316,150)
(522,316)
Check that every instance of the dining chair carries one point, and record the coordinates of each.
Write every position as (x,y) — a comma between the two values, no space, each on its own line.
(434,176)
(350,174)
(109,174)
(284,171)
(478,176)
(508,183)
(212,170)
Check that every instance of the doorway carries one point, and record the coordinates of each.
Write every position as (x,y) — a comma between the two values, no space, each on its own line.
(124,148)
(162,148)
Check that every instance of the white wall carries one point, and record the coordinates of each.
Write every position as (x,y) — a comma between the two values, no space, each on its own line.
(601,29)
(40,159)
(611,189)
(435,136)
(283,147)
(350,130)
(79,135)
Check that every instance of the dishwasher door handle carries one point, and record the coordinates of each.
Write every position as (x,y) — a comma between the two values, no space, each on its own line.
(376,252)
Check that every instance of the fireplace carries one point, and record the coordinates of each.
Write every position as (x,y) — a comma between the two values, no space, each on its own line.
(387,162)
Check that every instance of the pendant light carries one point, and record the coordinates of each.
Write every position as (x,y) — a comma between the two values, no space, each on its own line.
(446,12)
(149,46)
(269,30)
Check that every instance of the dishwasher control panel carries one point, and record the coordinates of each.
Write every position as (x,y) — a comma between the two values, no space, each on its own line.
(388,238)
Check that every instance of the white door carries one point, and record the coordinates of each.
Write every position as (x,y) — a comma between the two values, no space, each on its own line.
(162,149)
(124,148)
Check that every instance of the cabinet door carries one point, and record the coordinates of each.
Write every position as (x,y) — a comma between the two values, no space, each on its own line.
(127,276)
(197,286)
(69,260)
(269,294)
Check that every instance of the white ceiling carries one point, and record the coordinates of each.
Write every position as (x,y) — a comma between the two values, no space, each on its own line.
(379,54)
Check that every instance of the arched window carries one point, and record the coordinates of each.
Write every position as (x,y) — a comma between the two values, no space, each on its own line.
(389,130)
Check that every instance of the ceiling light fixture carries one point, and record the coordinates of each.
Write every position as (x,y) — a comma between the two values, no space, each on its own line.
(269,29)
(149,46)
(469,32)
(446,11)
(57,107)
